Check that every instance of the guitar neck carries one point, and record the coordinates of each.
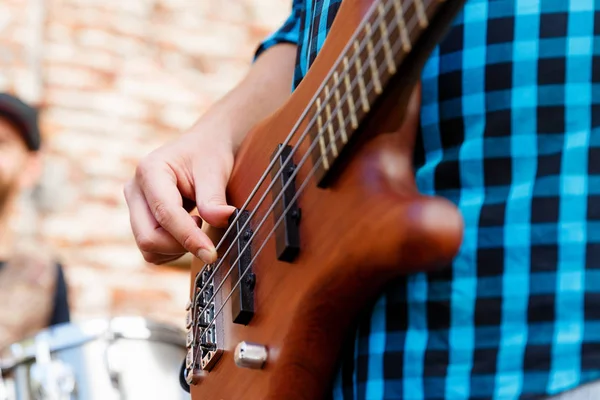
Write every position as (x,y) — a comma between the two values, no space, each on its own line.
(389,47)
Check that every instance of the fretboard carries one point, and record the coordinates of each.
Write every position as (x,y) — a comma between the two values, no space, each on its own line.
(390,32)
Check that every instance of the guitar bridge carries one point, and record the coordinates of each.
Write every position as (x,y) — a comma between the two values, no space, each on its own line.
(204,338)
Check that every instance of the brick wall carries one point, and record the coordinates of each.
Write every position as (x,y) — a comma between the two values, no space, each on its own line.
(116,79)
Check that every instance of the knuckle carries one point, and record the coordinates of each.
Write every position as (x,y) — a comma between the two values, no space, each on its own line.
(146,244)
(152,259)
(205,203)
(143,169)
(216,198)
(201,206)
(161,213)
(149,257)
(188,241)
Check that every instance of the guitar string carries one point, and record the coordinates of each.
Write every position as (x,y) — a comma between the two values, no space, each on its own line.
(285,211)
(289,158)
(305,182)
(293,131)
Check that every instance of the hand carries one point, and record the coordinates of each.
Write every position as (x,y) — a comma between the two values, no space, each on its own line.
(195,168)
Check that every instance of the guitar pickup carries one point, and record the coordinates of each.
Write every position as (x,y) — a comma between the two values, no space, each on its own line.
(242,300)
(287,233)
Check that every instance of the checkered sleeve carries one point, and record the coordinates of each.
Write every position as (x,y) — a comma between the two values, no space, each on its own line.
(287,33)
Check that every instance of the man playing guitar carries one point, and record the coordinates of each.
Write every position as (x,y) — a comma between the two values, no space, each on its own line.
(507,131)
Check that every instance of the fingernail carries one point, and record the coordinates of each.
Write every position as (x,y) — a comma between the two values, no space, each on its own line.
(208,256)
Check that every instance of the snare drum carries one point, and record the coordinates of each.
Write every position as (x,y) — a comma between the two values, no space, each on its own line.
(124,358)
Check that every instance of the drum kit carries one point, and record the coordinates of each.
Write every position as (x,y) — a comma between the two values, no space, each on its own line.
(121,358)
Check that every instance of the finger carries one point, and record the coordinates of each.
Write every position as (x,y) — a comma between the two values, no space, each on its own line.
(166,206)
(153,241)
(210,197)
(159,259)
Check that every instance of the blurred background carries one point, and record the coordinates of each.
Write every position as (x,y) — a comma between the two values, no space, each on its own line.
(114,79)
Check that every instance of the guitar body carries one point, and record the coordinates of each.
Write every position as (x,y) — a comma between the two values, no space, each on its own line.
(369,226)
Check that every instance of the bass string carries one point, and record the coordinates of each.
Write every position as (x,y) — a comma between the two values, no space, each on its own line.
(293,131)
(274,160)
(289,158)
(305,182)
(377,47)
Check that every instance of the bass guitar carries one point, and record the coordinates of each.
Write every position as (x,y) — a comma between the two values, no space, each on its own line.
(327,213)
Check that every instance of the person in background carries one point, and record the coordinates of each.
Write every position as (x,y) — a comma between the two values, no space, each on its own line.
(33,290)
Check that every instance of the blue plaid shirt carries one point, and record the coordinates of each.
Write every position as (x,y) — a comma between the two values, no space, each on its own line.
(509,133)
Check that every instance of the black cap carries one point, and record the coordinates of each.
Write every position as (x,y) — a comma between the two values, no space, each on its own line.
(24,117)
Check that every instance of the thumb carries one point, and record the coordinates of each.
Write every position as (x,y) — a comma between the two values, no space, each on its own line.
(210,189)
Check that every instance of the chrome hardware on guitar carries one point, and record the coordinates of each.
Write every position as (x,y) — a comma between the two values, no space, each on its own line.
(120,358)
(204,339)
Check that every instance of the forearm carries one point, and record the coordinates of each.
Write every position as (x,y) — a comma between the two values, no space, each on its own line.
(265,88)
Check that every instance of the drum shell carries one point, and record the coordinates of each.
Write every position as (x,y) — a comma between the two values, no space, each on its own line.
(121,358)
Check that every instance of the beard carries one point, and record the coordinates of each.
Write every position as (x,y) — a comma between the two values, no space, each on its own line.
(7,189)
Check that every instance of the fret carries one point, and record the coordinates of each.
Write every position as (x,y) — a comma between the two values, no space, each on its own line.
(371,57)
(423,21)
(320,135)
(406,45)
(336,80)
(381,51)
(334,148)
(361,82)
(387,48)
(349,94)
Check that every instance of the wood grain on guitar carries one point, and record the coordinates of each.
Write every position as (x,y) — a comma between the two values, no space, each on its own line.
(328,213)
